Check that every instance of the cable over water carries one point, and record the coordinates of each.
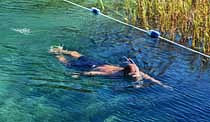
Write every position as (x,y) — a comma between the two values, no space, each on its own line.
(76,5)
(187,48)
(142,30)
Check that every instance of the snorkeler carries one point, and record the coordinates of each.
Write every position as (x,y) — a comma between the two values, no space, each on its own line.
(92,67)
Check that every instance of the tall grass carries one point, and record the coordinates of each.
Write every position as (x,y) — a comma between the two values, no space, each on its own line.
(185,21)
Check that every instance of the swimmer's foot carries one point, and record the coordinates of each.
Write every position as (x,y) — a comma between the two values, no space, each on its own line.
(62,59)
(60,50)
(56,50)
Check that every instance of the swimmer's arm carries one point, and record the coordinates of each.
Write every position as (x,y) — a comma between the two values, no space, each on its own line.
(147,77)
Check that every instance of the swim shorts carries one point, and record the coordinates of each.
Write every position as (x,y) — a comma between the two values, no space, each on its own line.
(84,63)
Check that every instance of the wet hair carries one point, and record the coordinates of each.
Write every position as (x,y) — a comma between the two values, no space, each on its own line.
(128,69)
(131,70)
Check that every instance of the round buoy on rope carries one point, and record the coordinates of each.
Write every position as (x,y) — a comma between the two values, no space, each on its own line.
(96,11)
(154,33)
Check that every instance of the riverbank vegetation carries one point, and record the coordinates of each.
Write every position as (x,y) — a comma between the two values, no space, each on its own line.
(187,22)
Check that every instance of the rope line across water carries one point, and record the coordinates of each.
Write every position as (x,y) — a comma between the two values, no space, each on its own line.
(97,12)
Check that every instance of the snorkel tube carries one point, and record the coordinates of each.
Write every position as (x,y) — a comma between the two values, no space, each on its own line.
(131,70)
(129,60)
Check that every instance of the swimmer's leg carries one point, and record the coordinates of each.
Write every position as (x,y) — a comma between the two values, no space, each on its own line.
(62,59)
(73,54)
(60,50)
(94,73)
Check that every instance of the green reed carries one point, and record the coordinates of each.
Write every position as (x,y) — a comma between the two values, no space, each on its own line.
(186,21)
(101,4)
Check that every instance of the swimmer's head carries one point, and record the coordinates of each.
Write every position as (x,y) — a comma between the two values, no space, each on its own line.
(131,70)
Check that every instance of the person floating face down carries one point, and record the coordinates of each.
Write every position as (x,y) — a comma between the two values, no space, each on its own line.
(96,68)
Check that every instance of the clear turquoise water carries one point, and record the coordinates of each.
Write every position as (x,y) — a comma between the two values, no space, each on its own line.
(35,87)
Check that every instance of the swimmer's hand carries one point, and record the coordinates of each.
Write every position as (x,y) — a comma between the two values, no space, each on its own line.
(138,84)
(163,85)
(168,87)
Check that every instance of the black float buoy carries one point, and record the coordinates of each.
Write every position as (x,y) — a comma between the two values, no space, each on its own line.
(96,11)
(154,33)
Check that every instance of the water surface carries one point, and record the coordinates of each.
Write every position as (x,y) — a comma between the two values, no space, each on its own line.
(34,86)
